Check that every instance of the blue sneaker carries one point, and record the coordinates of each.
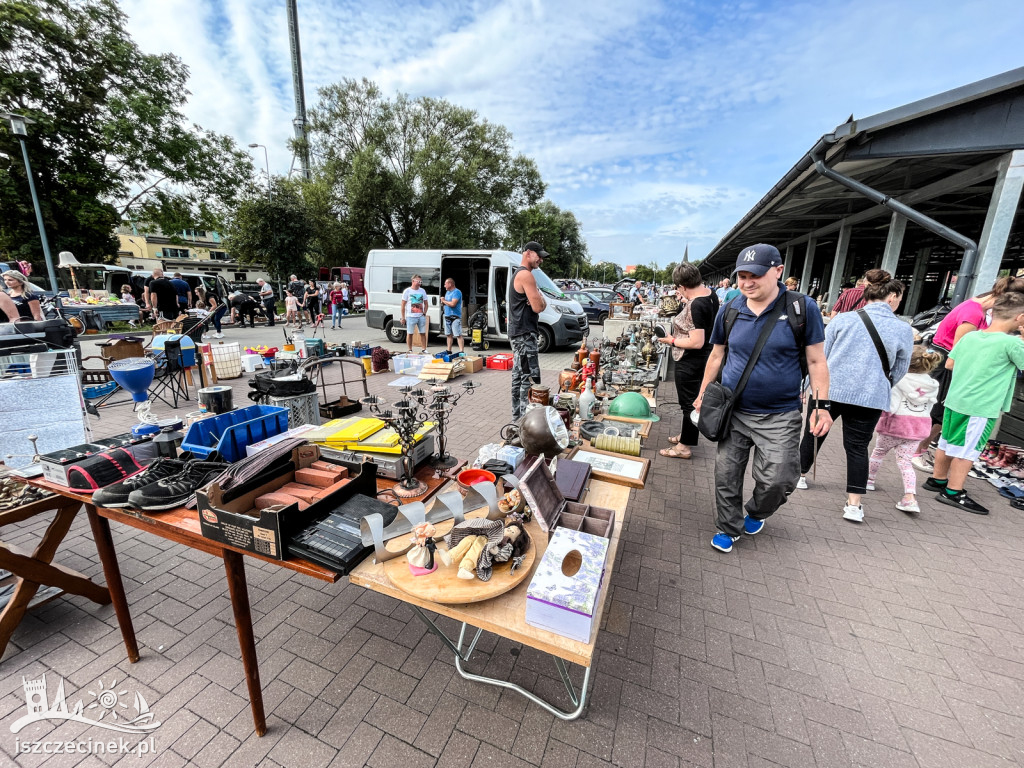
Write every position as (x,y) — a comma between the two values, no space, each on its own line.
(723,541)
(751,526)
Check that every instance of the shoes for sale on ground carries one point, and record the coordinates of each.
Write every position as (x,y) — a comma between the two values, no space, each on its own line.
(963,501)
(116,496)
(173,491)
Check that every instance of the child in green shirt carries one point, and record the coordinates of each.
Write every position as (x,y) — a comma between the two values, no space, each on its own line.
(984,377)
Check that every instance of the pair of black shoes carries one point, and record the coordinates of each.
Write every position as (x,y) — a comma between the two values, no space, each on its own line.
(961,499)
(164,484)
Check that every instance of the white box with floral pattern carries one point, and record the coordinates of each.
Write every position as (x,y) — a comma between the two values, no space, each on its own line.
(565,591)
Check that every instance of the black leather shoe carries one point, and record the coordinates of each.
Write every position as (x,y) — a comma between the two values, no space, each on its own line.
(963,501)
(931,485)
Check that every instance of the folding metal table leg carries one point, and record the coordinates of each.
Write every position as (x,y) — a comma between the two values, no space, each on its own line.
(578,699)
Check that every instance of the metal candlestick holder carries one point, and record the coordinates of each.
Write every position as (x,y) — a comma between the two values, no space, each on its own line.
(406,417)
(439,400)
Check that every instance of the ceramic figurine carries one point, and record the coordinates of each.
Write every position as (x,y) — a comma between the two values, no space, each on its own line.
(421,556)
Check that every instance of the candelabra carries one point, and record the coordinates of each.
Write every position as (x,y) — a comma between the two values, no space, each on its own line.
(439,402)
(406,417)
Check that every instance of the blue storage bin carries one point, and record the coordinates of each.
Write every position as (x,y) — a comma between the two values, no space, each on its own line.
(230,433)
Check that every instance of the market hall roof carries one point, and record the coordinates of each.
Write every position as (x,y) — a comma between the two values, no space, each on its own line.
(934,154)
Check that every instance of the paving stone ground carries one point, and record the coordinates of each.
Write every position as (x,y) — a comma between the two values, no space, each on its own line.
(897,642)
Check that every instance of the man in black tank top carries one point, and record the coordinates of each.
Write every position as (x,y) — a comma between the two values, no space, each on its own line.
(525,302)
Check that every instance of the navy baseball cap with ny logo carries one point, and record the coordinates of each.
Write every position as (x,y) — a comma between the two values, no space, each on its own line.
(758,259)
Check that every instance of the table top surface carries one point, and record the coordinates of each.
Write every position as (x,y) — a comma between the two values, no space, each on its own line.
(506,615)
(182,525)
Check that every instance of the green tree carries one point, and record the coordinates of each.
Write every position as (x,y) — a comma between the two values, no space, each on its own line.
(558,231)
(110,141)
(605,272)
(414,173)
(275,229)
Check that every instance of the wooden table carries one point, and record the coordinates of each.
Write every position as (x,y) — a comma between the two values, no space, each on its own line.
(36,570)
(506,615)
(181,525)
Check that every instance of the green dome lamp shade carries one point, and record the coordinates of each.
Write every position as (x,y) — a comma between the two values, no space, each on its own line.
(542,431)
(632,405)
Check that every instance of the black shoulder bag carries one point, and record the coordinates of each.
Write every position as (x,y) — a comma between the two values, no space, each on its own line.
(879,347)
(715,415)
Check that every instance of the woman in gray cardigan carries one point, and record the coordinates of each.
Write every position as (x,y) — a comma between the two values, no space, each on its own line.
(858,388)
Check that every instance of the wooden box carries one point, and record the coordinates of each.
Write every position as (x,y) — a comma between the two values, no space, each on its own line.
(565,591)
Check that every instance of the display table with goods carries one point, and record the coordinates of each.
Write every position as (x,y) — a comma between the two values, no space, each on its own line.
(501,607)
(109,310)
(34,578)
(211,515)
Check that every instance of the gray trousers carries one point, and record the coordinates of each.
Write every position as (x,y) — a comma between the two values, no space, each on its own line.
(775,438)
(525,371)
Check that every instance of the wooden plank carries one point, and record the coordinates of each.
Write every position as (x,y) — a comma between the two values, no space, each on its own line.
(506,615)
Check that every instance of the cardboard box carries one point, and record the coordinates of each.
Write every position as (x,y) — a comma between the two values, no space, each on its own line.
(566,589)
(474,364)
(223,518)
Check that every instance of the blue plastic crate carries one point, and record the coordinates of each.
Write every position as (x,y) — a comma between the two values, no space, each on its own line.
(230,433)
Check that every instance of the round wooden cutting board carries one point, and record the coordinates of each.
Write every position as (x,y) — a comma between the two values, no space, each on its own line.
(444,586)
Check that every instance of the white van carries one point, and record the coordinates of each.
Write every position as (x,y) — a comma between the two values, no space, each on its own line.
(484,278)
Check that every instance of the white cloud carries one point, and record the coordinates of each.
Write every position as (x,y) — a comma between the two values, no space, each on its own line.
(656,122)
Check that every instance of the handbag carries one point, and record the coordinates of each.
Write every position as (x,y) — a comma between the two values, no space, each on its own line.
(879,347)
(716,407)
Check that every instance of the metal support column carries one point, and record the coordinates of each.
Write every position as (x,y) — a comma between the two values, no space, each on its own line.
(999,220)
(910,306)
(788,261)
(894,243)
(839,263)
(805,278)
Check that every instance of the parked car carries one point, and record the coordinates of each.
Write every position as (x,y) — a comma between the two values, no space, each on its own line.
(597,310)
(607,295)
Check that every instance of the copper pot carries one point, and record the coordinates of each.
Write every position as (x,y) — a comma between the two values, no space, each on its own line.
(565,379)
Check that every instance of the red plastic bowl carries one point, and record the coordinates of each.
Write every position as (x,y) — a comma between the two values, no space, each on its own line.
(468,477)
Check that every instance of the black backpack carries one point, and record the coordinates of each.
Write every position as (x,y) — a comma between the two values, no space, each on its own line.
(795,314)
(263,384)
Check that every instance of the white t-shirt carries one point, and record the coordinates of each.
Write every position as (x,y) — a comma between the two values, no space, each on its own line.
(415,301)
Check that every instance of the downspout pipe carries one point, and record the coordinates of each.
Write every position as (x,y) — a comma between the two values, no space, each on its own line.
(967,271)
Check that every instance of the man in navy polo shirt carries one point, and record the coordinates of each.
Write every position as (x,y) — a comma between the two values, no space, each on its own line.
(767,415)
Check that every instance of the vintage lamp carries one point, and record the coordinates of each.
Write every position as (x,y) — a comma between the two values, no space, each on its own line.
(542,431)
(134,375)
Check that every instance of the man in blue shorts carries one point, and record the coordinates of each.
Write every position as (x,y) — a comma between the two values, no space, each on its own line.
(453,314)
(414,311)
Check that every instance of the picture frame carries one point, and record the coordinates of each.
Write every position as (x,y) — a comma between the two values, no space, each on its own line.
(620,310)
(614,467)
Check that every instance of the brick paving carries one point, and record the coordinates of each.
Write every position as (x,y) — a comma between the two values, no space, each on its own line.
(898,642)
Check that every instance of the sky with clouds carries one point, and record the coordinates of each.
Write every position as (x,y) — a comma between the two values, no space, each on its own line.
(659,124)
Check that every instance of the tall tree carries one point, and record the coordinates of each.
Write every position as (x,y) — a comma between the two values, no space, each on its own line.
(558,231)
(409,173)
(110,141)
(275,229)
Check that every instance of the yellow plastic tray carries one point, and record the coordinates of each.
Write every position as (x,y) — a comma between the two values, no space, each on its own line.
(383,441)
(346,430)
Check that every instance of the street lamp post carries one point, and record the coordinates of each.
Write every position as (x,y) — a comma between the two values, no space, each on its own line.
(266,159)
(19,129)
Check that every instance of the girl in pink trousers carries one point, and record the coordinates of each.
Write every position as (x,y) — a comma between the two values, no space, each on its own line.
(907,422)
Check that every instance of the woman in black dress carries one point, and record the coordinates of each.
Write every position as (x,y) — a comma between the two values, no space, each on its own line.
(691,345)
(312,300)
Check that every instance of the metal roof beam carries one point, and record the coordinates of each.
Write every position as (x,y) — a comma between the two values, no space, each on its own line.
(971,176)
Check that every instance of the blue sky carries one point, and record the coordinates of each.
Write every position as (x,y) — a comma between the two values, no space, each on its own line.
(658,123)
